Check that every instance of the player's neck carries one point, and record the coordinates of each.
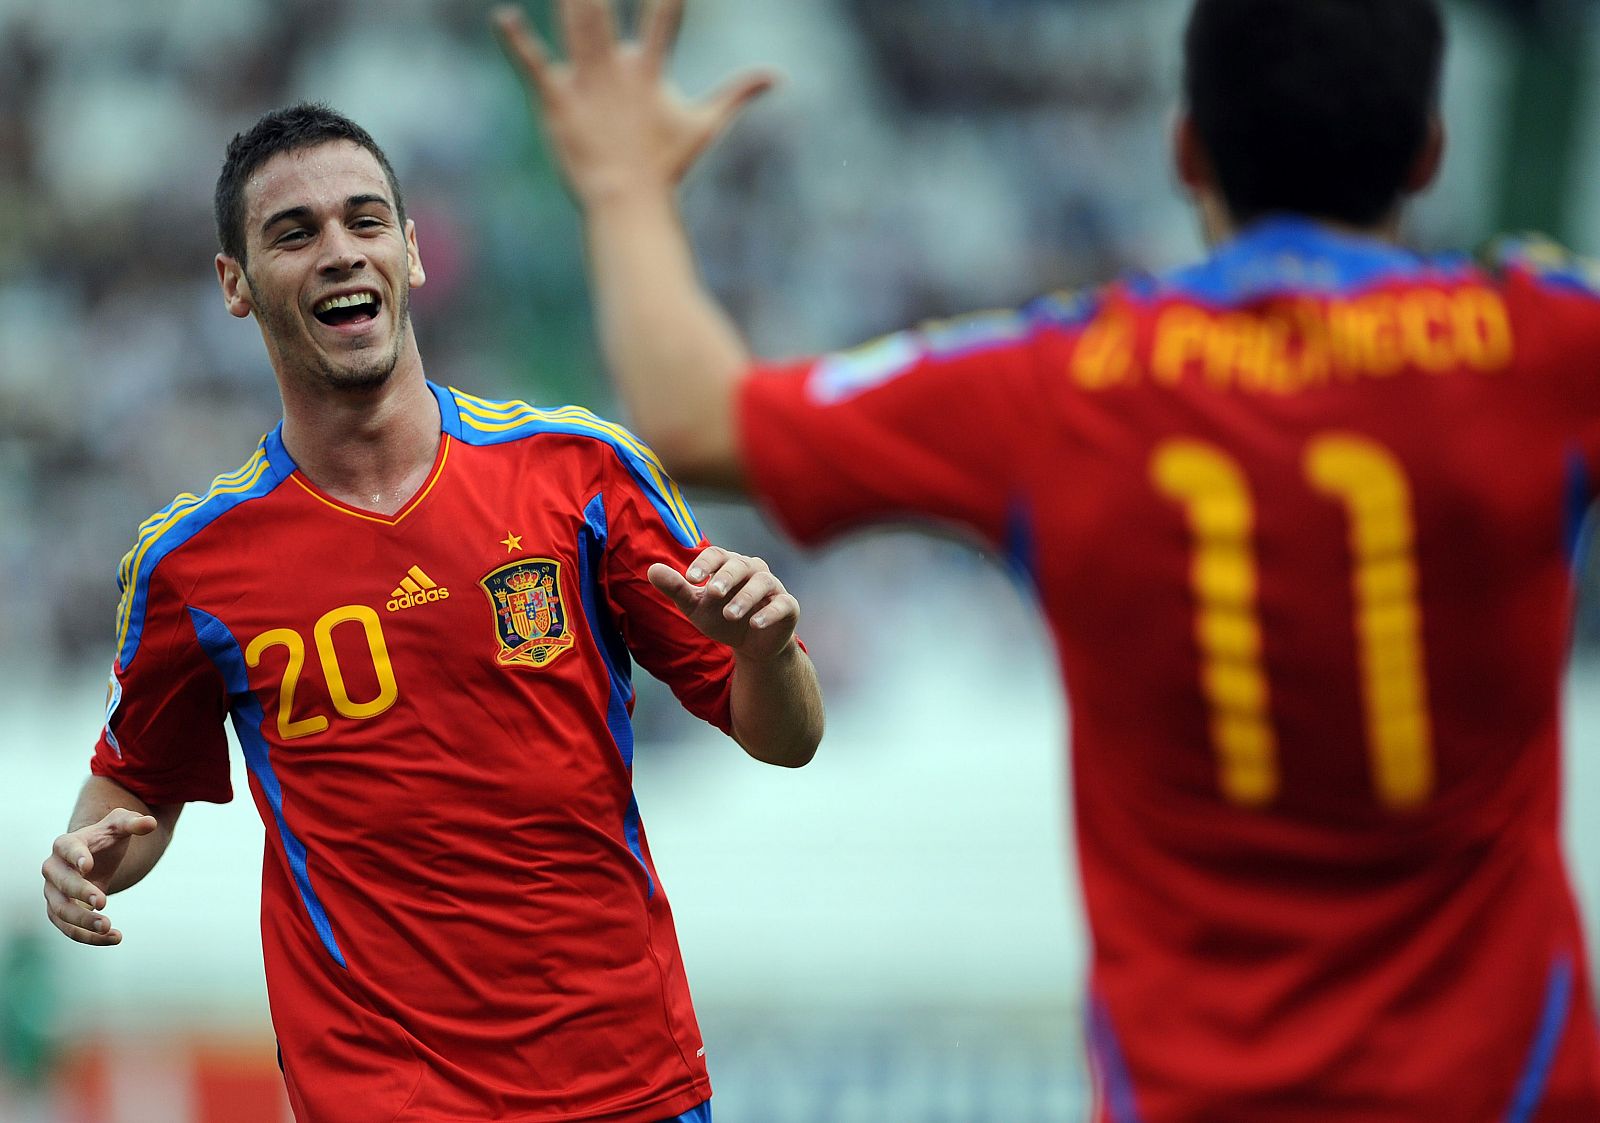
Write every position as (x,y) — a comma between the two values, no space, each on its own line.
(372,449)
(1220,227)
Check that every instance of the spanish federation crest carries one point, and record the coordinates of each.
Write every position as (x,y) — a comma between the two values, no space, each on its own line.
(529,616)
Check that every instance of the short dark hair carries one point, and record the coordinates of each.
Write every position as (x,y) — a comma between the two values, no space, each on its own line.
(305,125)
(1316,107)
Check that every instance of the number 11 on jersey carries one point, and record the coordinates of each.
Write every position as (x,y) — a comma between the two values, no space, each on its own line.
(1370,484)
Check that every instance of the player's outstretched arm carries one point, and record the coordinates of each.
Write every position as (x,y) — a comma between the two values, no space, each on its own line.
(114,839)
(624,137)
(736,600)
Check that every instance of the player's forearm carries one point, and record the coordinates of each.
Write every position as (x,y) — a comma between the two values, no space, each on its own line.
(676,357)
(101,796)
(777,707)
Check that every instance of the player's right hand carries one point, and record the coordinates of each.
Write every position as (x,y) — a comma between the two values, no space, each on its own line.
(79,870)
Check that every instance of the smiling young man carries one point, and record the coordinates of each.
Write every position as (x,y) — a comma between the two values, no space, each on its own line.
(1300,517)
(418,608)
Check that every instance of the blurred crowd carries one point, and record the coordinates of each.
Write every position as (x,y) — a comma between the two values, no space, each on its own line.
(921,158)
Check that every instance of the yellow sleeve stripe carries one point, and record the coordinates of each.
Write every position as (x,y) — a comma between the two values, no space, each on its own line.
(188,498)
(158,523)
(499,417)
(153,529)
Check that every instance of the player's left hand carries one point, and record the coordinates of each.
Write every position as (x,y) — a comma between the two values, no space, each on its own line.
(733,599)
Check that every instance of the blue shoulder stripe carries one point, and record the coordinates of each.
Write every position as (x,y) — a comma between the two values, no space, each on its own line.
(1546,261)
(484,422)
(170,528)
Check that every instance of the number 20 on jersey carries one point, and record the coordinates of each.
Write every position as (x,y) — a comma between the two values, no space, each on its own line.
(294,644)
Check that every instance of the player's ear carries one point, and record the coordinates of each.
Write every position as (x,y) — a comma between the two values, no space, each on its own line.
(1199,176)
(1190,157)
(1426,167)
(418,277)
(235,286)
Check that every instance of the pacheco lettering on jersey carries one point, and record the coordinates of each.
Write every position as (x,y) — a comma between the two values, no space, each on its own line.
(1292,346)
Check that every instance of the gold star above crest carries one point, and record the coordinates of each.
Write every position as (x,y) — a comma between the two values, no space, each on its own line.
(512,542)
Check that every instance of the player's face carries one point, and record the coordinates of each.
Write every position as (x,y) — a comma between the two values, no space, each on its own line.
(330,267)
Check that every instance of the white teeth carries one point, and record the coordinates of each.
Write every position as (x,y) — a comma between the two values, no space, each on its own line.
(349,301)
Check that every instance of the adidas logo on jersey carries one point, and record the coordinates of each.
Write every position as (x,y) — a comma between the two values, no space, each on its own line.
(415,588)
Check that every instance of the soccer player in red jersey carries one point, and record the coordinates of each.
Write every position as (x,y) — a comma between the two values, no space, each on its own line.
(420,609)
(1300,518)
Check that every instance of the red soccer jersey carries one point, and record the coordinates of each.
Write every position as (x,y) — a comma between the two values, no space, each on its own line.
(460,915)
(1300,518)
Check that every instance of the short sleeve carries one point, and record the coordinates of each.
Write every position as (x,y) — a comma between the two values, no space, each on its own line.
(163,738)
(1553,300)
(644,519)
(921,425)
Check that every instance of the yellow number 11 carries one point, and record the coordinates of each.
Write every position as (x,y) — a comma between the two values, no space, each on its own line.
(1370,484)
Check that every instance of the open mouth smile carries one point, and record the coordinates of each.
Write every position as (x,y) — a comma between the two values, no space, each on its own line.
(350,311)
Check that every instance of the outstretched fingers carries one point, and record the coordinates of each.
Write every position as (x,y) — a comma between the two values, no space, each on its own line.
(729,100)
(658,31)
(525,47)
(588,30)
(717,112)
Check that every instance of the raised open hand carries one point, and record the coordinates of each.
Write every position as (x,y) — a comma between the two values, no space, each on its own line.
(616,124)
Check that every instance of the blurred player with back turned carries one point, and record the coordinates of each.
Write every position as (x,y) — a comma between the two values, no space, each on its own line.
(1300,518)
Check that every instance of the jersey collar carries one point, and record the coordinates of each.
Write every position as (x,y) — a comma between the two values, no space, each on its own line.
(283,466)
(1293,255)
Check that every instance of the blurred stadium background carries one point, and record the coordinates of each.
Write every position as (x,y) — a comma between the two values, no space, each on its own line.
(890,935)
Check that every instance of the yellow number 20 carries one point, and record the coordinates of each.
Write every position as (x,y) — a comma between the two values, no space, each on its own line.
(290,728)
(1371,486)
